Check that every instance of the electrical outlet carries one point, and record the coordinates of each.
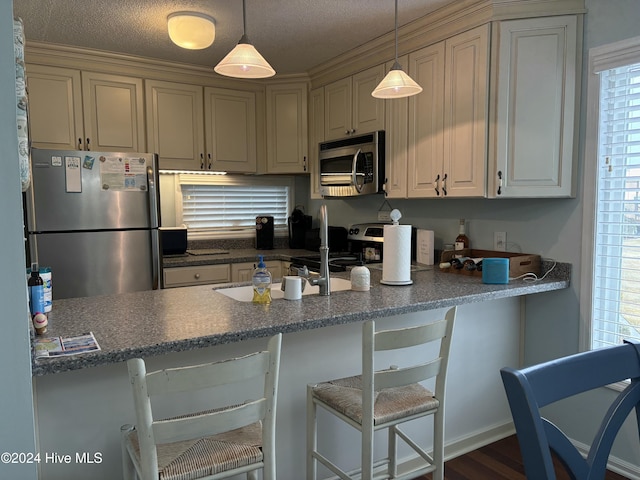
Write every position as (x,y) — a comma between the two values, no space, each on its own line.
(384,216)
(500,241)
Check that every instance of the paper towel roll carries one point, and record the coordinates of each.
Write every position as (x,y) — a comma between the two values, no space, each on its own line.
(396,261)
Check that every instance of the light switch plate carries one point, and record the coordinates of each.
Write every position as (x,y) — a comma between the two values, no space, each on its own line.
(500,241)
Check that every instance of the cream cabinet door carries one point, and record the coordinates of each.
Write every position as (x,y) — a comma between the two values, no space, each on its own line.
(287,147)
(198,275)
(466,113)
(230,129)
(397,142)
(55,107)
(533,149)
(368,111)
(242,272)
(113,108)
(349,107)
(426,122)
(175,125)
(337,109)
(316,135)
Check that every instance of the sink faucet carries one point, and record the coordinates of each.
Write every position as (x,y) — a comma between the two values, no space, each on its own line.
(323,279)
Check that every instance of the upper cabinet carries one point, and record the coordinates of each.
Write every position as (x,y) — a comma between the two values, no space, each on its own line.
(349,106)
(287,149)
(71,110)
(175,125)
(230,129)
(196,128)
(535,91)
(447,121)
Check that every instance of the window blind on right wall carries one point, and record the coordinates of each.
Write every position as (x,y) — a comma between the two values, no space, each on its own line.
(616,282)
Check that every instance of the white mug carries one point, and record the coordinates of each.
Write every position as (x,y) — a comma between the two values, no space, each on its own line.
(293,286)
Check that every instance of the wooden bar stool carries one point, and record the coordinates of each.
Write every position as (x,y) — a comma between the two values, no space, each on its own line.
(383,399)
(212,444)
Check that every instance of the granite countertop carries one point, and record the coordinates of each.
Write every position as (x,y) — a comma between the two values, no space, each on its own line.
(143,324)
(233,255)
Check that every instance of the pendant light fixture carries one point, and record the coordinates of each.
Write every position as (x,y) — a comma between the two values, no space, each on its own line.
(396,84)
(244,61)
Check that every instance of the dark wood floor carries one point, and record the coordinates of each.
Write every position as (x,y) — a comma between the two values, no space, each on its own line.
(498,461)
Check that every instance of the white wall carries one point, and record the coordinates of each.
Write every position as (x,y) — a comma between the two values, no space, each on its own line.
(16,405)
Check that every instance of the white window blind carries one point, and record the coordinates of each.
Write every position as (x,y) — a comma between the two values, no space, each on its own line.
(616,282)
(226,204)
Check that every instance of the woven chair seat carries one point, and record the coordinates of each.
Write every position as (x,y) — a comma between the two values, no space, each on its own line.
(197,458)
(345,396)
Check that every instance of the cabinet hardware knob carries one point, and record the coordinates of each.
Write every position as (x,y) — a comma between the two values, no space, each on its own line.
(444,185)
(304,163)
(436,186)
(88,148)
(209,157)
(201,161)
(499,182)
(197,276)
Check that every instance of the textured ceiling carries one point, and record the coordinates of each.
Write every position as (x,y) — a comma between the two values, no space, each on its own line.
(293,35)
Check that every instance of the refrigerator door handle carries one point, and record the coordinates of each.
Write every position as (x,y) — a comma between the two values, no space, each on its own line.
(152,177)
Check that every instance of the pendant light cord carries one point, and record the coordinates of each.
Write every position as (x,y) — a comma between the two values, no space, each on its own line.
(244,17)
(396,31)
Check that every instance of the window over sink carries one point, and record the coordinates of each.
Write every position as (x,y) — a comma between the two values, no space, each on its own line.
(226,206)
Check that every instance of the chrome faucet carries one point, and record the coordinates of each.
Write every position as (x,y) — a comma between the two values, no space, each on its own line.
(321,280)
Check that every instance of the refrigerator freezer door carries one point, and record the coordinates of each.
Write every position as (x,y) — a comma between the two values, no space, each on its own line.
(85,264)
(77,190)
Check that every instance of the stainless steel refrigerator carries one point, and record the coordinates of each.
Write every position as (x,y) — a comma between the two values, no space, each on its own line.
(93,218)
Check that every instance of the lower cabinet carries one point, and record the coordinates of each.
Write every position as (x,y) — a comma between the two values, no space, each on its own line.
(242,272)
(200,275)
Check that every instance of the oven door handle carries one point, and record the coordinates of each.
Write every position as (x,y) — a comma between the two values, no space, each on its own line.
(354,174)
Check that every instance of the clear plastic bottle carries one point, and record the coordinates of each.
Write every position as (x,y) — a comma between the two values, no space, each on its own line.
(261,283)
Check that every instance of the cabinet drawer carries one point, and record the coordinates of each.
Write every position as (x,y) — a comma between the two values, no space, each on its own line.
(183,276)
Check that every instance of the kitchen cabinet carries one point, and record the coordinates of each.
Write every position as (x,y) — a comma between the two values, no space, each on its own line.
(196,128)
(230,129)
(350,108)
(242,272)
(175,124)
(287,147)
(197,275)
(536,87)
(397,142)
(316,135)
(447,151)
(71,109)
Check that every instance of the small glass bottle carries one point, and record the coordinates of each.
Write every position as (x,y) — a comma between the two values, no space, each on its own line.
(462,241)
(36,290)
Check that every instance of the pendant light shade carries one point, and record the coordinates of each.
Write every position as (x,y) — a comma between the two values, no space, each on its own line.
(396,84)
(191,30)
(244,61)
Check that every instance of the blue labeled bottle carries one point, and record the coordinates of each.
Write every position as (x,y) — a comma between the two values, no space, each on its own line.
(36,290)
(261,283)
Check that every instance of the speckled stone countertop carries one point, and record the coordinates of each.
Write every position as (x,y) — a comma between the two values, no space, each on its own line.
(232,256)
(143,324)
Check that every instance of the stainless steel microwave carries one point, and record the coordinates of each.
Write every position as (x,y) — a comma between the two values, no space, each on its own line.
(352,166)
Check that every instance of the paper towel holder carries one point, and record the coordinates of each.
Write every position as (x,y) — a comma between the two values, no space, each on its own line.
(395,216)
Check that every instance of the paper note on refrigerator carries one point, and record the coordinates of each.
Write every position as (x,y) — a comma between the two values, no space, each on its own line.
(73,179)
(424,247)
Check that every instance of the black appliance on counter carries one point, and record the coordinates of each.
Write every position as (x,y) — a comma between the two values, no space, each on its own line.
(346,248)
(364,242)
(264,232)
(299,224)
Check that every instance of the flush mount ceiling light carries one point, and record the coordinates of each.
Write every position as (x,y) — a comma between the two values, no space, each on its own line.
(191,30)
(244,61)
(396,84)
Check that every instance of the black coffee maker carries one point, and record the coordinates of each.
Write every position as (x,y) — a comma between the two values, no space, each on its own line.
(299,224)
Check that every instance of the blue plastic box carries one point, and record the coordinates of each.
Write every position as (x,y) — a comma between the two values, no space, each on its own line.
(495,270)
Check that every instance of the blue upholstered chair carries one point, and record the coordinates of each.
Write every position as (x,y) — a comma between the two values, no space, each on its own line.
(530,389)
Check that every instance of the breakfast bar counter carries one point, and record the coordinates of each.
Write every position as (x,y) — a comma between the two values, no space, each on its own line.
(150,323)
(82,400)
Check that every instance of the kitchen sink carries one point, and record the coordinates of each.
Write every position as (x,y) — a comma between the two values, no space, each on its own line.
(245,293)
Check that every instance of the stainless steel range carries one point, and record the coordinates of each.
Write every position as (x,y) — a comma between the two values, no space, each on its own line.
(365,242)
